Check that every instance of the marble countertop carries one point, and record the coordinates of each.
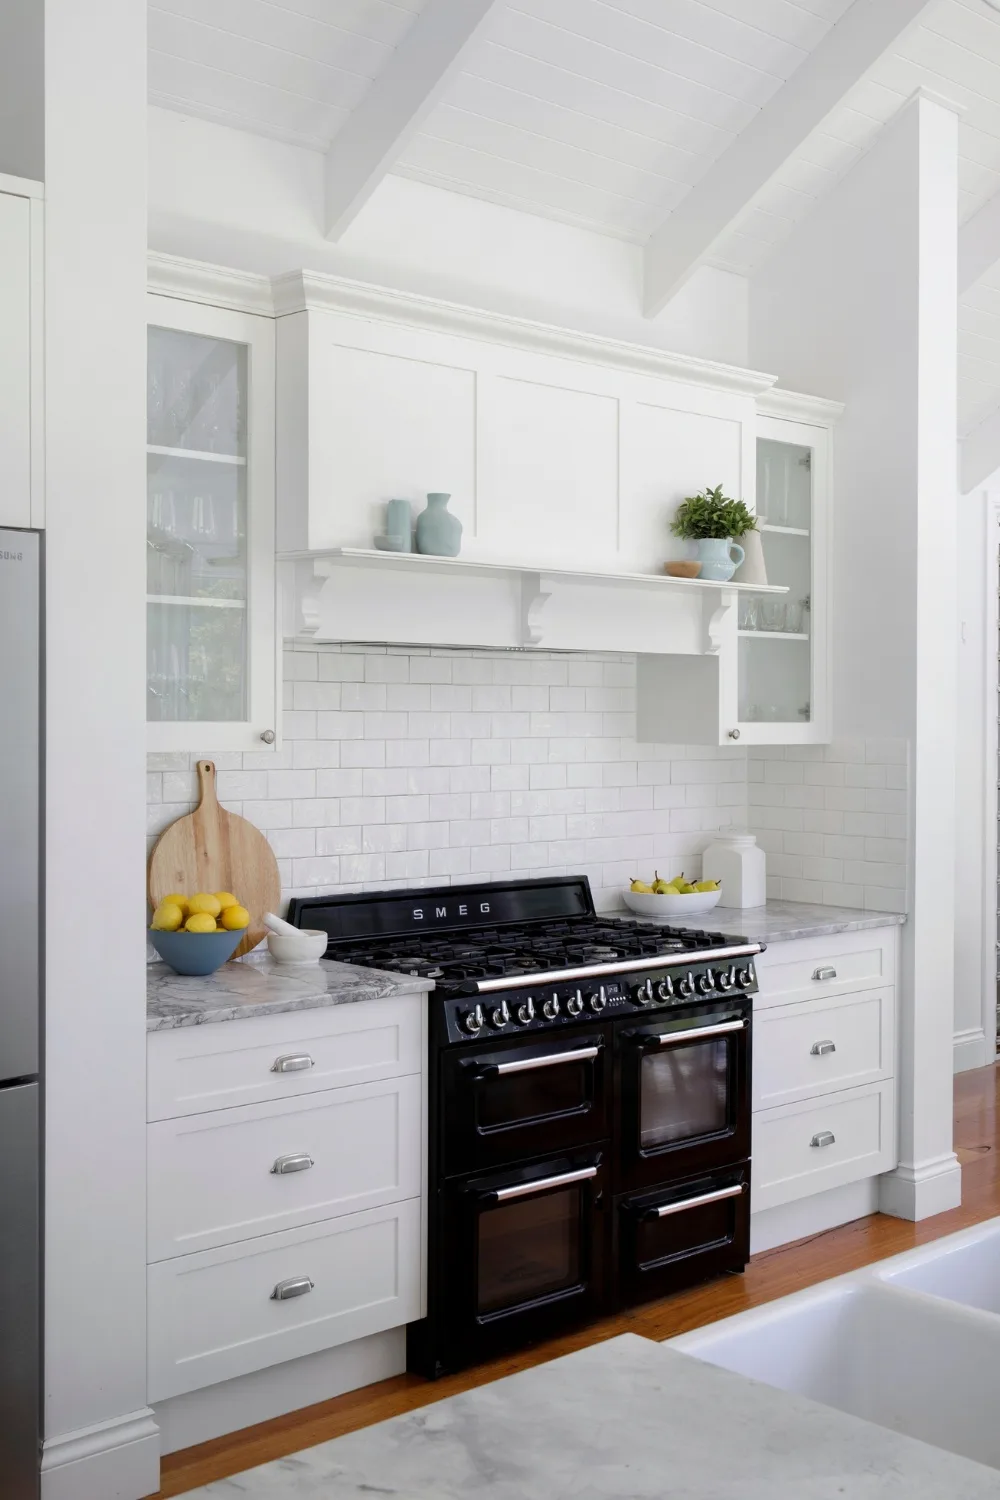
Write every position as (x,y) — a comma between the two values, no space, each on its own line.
(624,1420)
(260,987)
(781,921)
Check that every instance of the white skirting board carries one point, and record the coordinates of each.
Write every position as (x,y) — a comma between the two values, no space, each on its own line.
(972,1049)
(198,1416)
(117,1460)
(813,1215)
(922,1190)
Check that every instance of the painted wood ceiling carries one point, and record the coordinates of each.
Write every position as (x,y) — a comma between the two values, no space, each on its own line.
(601,113)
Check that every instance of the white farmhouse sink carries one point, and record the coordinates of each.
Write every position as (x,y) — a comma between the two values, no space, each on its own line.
(922,1367)
(963,1268)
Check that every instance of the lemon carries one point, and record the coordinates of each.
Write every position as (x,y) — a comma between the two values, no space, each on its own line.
(200,922)
(226,898)
(167,917)
(235,918)
(175,899)
(204,904)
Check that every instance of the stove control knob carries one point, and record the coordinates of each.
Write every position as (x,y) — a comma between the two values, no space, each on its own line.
(727,980)
(526,1011)
(685,986)
(472,1021)
(665,988)
(705,983)
(500,1016)
(643,993)
(575,1004)
(744,978)
(598,1001)
(550,1008)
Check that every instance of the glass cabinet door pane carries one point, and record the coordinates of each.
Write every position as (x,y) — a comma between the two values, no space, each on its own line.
(196,529)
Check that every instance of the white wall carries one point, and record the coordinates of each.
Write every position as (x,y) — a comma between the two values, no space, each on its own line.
(22,72)
(100,1442)
(861,305)
(236,199)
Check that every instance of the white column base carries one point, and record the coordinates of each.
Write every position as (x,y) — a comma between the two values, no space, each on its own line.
(923,1190)
(116,1460)
(972,1050)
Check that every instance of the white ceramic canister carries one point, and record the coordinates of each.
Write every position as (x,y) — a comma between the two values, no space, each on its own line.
(735,861)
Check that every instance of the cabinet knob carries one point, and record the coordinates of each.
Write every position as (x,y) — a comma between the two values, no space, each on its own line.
(827,972)
(268,736)
(823,1138)
(292,1062)
(821,1049)
(734,734)
(295,1161)
(294,1286)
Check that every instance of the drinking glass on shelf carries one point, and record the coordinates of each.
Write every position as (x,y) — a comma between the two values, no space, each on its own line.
(749,612)
(772,613)
(793,616)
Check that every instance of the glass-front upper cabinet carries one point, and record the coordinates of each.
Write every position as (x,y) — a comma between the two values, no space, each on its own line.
(211,647)
(783,667)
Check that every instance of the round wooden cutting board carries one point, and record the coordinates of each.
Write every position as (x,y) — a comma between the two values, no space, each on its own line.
(213,850)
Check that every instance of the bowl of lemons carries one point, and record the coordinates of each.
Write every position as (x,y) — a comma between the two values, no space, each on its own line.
(198,934)
(672,898)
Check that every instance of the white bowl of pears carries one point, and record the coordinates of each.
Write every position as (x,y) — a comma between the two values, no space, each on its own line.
(672,898)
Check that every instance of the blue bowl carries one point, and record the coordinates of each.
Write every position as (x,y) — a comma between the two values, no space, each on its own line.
(195,952)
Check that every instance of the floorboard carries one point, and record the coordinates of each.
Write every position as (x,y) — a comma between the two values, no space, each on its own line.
(770,1275)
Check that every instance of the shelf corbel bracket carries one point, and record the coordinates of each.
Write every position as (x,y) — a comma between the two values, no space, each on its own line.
(534,598)
(719,620)
(312,577)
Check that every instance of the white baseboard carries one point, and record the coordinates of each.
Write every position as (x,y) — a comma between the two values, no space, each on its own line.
(116,1460)
(972,1049)
(923,1190)
(198,1416)
(813,1215)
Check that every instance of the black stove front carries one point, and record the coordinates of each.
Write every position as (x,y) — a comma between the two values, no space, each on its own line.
(589,1132)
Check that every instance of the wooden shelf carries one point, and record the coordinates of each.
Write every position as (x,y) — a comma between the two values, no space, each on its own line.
(772,635)
(367,557)
(783,530)
(197,454)
(190,601)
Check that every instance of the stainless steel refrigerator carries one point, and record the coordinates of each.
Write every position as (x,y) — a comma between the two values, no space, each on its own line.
(20,1011)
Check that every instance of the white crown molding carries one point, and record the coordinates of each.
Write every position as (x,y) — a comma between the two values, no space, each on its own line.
(308,291)
(21,187)
(794,406)
(218,286)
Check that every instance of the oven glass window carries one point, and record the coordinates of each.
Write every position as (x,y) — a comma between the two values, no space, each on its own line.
(537,1094)
(529,1248)
(684,1093)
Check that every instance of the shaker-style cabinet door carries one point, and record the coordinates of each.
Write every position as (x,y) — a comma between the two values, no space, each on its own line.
(211,645)
(21,392)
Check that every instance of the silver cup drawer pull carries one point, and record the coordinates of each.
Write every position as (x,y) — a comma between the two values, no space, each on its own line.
(295,1161)
(826,972)
(823,1138)
(294,1286)
(822,1049)
(292,1062)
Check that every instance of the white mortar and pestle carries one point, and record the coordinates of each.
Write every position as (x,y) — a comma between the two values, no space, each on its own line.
(293,945)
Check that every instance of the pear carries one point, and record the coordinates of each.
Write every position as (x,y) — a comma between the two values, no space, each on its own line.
(662,887)
(707,885)
(684,888)
(641,888)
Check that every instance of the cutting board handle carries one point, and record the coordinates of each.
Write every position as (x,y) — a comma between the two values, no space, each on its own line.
(206,783)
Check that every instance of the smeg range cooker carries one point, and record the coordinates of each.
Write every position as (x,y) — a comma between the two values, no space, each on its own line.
(589,1132)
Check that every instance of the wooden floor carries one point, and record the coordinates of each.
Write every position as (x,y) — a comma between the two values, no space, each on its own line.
(769,1275)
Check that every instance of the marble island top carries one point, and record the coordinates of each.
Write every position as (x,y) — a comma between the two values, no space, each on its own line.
(781,921)
(624,1420)
(260,987)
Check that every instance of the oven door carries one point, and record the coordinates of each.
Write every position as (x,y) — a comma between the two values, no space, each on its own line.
(685,1093)
(523,1256)
(511,1100)
(681,1235)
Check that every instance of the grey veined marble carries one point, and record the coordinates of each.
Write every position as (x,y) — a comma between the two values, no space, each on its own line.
(781,921)
(260,987)
(623,1420)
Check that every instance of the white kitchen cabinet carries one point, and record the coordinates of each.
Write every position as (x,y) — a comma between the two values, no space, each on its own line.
(21,336)
(211,645)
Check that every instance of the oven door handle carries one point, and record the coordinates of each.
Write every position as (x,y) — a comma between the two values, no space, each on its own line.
(547,1060)
(683,1204)
(540,1185)
(694,1034)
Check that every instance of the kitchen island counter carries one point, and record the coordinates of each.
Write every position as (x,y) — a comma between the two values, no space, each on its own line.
(260,987)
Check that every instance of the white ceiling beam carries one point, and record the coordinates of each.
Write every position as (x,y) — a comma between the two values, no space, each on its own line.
(979,244)
(688,236)
(979,453)
(396,105)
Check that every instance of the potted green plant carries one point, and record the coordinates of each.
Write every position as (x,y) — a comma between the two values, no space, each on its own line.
(710,520)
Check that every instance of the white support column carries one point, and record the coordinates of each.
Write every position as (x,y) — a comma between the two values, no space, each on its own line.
(101,1442)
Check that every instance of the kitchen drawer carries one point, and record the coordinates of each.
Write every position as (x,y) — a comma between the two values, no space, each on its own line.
(822,1047)
(786,1163)
(199,1068)
(211,1179)
(801,970)
(213,1316)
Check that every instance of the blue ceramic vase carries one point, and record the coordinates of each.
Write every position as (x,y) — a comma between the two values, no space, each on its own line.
(716,557)
(439,533)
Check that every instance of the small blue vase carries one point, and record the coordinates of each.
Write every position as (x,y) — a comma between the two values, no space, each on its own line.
(716,557)
(439,533)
